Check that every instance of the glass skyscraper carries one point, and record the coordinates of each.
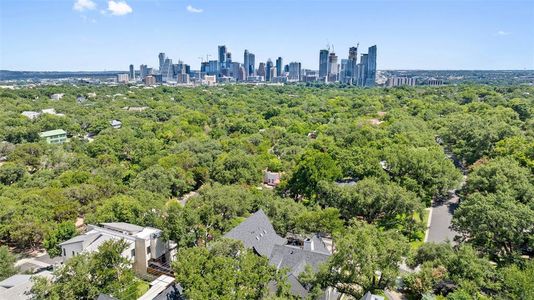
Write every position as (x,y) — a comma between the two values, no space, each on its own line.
(370,77)
(279,66)
(323,64)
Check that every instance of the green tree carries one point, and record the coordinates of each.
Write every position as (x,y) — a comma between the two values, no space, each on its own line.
(11,173)
(371,200)
(224,270)
(517,282)
(366,259)
(313,167)
(61,233)
(7,263)
(503,177)
(86,275)
(496,225)
(236,167)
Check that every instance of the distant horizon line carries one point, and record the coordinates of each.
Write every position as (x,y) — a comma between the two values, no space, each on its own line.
(126,71)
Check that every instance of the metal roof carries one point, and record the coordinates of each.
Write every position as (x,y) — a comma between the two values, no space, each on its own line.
(52,133)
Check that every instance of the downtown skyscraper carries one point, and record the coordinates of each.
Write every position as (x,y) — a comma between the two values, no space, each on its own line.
(249,60)
(323,64)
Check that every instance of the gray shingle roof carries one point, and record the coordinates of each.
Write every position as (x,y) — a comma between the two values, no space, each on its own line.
(296,258)
(258,233)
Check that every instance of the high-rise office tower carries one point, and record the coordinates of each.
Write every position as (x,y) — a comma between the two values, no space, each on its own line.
(234,69)
(344,71)
(279,66)
(268,67)
(132,72)
(261,70)
(272,73)
(370,77)
(249,63)
(252,64)
(161,58)
(351,74)
(143,71)
(241,75)
(323,64)
(228,58)
(222,57)
(294,71)
(332,67)
(166,70)
(286,69)
(246,62)
(362,69)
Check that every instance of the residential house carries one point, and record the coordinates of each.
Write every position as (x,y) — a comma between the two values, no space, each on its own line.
(163,288)
(81,99)
(17,287)
(116,124)
(271,178)
(145,246)
(56,96)
(257,233)
(135,108)
(58,136)
(51,111)
(32,115)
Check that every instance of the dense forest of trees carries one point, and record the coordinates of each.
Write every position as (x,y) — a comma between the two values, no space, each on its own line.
(399,149)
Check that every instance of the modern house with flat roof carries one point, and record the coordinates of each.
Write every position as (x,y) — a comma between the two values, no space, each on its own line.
(145,246)
(58,136)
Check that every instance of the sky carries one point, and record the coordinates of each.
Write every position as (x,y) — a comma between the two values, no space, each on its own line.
(95,35)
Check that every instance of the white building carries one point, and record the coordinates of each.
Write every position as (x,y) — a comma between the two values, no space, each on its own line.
(51,111)
(56,96)
(400,81)
(122,78)
(116,124)
(31,114)
(145,246)
(210,79)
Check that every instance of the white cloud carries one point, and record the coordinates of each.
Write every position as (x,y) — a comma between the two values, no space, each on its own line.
(502,33)
(81,5)
(119,8)
(194,10)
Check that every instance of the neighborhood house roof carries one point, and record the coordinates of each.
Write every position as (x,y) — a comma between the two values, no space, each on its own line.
(258,233)
(121,226)
(52,133)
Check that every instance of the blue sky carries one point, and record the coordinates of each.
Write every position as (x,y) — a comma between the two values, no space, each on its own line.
(409,34)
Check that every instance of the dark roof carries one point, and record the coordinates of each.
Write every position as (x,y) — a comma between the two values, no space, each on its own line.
(105,297)
(172,292)
(258,233)
(296,258)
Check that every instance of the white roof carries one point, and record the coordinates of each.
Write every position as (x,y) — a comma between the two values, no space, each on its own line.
(157,286)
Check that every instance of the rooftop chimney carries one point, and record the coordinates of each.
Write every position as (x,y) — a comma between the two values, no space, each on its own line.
(308,244)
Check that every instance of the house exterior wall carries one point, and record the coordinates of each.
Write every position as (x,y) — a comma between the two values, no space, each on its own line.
(70,250)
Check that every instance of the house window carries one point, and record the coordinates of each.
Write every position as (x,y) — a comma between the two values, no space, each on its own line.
(73,253)
(64,252)
(148,250)
(132,253)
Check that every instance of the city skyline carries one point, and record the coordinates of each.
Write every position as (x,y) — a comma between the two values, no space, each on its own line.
(93,35)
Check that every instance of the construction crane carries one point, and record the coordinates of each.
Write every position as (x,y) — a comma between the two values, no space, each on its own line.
(202,58)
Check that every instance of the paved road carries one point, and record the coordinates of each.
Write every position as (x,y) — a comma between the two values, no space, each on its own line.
(440,221)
